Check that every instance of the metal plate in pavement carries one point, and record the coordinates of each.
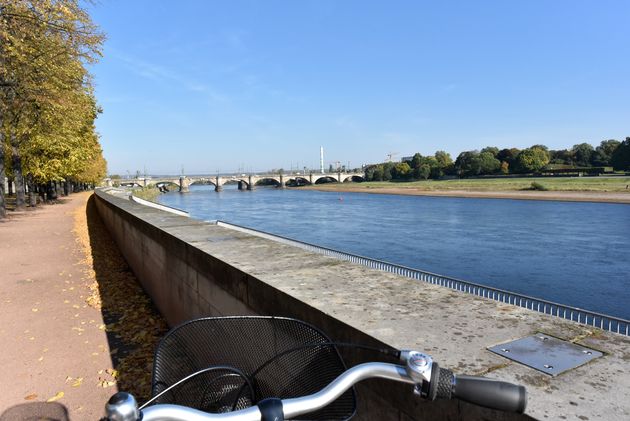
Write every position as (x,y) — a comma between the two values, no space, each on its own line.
(546,353)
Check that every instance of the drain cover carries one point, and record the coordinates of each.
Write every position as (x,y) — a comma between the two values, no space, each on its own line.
(546,353)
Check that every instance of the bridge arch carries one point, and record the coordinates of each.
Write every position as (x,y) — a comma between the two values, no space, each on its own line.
(163,186)
(298,181)
(243,184)
(353,179)
(203,181)
(131,184)
(325,179)
(269,181)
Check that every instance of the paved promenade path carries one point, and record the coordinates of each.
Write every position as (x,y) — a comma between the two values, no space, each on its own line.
(54,341)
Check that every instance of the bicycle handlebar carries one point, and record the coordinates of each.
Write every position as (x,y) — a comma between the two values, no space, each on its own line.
(431,382)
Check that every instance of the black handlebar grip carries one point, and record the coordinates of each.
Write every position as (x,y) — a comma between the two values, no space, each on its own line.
(490,393)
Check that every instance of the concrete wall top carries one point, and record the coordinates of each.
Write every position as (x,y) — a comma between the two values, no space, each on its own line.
(455,328)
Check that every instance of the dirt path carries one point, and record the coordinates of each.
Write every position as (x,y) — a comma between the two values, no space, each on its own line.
(566,196)
(55,347)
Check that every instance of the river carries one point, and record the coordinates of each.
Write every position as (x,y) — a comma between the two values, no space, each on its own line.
(573,253)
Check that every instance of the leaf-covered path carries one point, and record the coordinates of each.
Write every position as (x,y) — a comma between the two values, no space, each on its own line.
(74,325)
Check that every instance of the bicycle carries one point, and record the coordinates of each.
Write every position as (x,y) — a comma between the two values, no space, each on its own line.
(209,369)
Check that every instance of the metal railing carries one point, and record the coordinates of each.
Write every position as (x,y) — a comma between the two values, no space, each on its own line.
(585,317)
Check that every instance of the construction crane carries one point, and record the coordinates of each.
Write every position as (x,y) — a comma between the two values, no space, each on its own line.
(391,155)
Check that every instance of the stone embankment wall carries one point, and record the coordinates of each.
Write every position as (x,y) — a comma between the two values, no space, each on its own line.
(192,269)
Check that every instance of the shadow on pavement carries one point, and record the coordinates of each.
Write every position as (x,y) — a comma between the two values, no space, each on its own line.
(36,411)
(132,324)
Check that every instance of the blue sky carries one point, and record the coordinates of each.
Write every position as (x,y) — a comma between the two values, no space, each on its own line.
(255,85)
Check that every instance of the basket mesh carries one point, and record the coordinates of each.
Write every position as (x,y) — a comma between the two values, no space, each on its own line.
(283,358)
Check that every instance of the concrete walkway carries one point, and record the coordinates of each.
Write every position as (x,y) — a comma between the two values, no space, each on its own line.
(53,346)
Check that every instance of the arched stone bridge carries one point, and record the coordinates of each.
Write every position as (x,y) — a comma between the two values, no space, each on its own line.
(245,181)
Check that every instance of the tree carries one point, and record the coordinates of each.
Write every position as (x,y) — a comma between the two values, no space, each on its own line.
(401,171)
(487,163)
(473,163)
(563,156)
(422,172)
(378,173)
(416,161)
(509,156)
(491,149)
(532,159)
(445,163)
(387,171)
(465,163)
(369,172)
(582,153)
(46,103)
(443,159)
(603,153)
(620,158)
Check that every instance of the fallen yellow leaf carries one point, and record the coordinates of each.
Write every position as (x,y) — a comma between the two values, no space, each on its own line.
(58,396)
(30,397)
(112,372)
(106,383)
(77,382)
(34,310)
(40,358)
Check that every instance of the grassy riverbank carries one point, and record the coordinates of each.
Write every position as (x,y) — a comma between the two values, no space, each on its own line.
(578,189)
(147,193)
(577,184)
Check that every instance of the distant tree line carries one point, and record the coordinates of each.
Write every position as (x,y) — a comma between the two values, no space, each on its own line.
(494,161)
(47,103)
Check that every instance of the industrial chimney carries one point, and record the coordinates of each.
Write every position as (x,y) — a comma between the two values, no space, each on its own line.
(321,159)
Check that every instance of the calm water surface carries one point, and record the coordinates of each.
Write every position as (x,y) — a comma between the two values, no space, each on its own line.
(573,253)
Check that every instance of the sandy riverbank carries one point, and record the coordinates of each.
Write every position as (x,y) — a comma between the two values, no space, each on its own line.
(567,196)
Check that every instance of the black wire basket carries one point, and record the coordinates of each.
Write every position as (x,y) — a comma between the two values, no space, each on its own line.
(247,359)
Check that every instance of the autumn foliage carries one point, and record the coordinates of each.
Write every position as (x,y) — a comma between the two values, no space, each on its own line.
(47,103)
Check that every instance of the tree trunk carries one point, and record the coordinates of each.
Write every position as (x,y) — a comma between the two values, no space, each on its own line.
(32,196)
(65,187)
(10,186)
(41,189)
(50,191)
(20,196)
(3,209)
